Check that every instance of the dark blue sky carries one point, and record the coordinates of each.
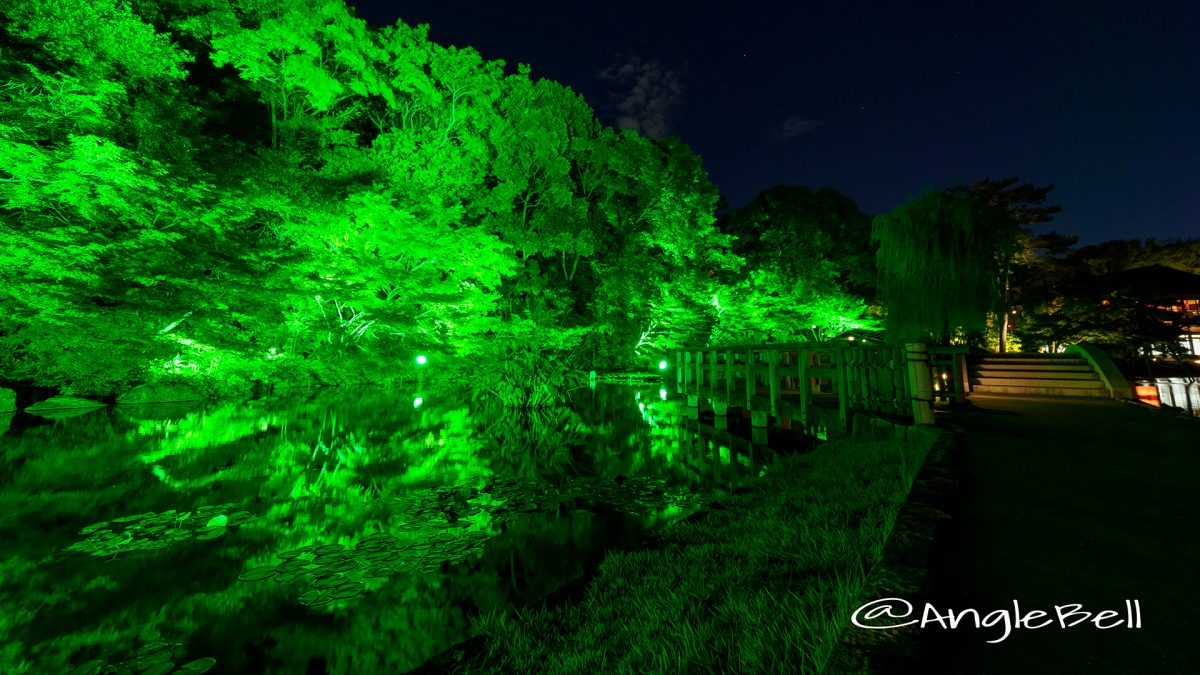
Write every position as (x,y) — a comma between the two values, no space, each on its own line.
(878,101)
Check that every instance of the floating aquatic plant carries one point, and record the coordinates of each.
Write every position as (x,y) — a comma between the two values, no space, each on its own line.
(156,531)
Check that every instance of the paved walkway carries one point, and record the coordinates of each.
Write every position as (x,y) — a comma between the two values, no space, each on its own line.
(1071,501)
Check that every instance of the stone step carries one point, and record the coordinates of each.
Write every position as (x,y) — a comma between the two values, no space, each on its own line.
(1087,374)
(1058,360)
(1041,367)
(1039,391)
(1093,383)
(1025,355)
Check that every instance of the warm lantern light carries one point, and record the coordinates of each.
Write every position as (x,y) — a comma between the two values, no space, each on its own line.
(417,402)
(662,393)
(662,365)
(421,360)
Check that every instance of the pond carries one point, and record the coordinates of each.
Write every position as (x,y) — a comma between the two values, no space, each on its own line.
(341,531)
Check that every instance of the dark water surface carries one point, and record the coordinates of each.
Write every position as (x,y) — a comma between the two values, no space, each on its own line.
(342,531)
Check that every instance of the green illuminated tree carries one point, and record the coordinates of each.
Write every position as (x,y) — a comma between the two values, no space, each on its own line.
(240,192)
(809,262)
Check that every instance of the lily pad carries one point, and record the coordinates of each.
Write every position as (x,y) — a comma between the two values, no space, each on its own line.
(328,559)
(257,574)
(342,566)
(198,666)
(322,599)
(210,533)
(330,581)
(130,519)
(328,548)
(152,647)
(292,565)
(379,572)
(94,526)
(347,590)
(310,596)
(218,521)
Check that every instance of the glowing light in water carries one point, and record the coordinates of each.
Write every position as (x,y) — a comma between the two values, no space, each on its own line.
(662,365)
(421,360)
(662,393)
(417,402)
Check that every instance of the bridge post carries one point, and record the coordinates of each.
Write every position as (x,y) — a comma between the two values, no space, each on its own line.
(843,386)
(920,382)
(712,374)
(681,372)
(692,378)
(759,435)
(699,378)
(729,377)
(749,377)
(773,381)
(962,380)
(805,387)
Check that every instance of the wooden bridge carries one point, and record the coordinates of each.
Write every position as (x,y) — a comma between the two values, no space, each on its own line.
(822,388)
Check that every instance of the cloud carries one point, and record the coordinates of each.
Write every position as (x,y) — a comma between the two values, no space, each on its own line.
(649,92)
(796,126)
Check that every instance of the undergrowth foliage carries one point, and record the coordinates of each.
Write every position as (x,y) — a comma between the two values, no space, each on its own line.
(764,585)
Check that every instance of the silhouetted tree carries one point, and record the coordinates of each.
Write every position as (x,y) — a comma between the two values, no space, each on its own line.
(1026,204)
(942,260)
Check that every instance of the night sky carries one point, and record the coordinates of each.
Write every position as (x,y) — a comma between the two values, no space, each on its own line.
(881,102)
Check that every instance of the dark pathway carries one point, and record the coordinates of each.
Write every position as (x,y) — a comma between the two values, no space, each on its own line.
(1071,501)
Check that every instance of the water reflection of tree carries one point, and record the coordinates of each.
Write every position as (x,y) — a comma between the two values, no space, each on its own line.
(531,443)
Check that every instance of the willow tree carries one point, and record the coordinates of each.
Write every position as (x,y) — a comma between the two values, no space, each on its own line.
(942,259)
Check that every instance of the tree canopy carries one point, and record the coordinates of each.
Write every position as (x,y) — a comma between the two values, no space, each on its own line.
(239,192)
(942,259)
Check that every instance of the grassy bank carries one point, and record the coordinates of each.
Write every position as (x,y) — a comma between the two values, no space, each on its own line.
(764,583)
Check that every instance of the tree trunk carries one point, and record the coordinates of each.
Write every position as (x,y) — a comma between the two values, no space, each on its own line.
(274,128)
(1004,321)
(1004,333)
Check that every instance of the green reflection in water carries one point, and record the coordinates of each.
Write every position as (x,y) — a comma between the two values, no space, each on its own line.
(342,525)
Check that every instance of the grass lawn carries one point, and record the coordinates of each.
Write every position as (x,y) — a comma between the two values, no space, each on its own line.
(763,582)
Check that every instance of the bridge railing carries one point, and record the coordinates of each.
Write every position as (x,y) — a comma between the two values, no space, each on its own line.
(821,384)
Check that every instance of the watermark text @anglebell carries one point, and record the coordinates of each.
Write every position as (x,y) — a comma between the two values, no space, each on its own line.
(888,613)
